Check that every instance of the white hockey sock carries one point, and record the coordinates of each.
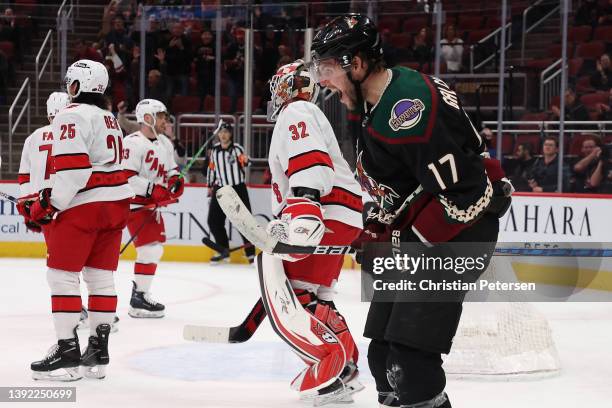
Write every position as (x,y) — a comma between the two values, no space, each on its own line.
(102,297)
(143,282)
(147,257)
(65,301)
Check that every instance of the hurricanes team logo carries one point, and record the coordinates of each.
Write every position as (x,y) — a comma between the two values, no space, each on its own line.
(406,113)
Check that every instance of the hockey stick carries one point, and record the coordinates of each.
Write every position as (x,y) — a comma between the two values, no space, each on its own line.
(147,220)
(243,220)
(237,334)
(216,247)
(9,197)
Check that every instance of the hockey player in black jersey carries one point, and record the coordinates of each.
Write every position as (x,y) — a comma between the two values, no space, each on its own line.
(423,163)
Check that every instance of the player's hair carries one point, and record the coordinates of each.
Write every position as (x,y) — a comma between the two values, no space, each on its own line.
(377,64)
(91,98)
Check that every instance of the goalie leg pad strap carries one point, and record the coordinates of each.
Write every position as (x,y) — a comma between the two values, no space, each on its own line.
(308,336)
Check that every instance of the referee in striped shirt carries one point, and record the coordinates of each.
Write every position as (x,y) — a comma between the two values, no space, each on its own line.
(226,164)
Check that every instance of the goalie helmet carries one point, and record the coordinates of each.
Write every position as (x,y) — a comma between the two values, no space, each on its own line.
(291,81)
(91,75)
(56,102)
(149,107)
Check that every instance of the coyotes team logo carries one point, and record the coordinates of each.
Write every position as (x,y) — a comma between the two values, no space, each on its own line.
(406,113)
(383,195)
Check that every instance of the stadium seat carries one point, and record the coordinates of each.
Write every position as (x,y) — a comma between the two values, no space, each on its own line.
(185,104)
(415,23)
(209,103)
(576,143)
(401,40)
(539,63)
(507,143)
(579,34)
(493,22)
(226,104)
(476,35)
(555,51)
(390,23)
(594,98)
(591,50)
(470,22)
(583,84)
(574,66)
(603,33)
(8,48)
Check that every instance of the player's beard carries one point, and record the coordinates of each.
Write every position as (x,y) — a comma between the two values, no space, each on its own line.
(347,93)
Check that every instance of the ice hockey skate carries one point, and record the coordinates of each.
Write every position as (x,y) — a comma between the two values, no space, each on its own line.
(143,306)
(95,358)
(61,362)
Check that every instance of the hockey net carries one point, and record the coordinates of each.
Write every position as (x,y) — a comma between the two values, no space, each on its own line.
(506,339)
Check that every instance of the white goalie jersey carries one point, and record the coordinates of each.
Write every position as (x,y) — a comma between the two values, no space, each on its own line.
(147,162)
(304,152)
(36,170)
(87,157)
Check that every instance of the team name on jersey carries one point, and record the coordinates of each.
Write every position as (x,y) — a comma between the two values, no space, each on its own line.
(448,96)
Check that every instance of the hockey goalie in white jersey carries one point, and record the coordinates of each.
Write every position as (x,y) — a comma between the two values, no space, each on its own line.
(153,175)
(317,201)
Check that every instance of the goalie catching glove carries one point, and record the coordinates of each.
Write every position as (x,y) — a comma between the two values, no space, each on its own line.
(300,223)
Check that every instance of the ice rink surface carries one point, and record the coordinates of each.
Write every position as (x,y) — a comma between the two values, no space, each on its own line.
(152,366)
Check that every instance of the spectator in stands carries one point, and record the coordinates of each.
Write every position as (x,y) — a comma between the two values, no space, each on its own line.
(178,53)
(156,89)
(4,78)
(9,31)
(574,110)
(234,67)
(421,47)
(487,137)
(584,169)
(269,53)
(118,36)
(205,65)
(604,15)
(110,12)
(601,79)
(82,50)
(605,185)
(522,170)
(544,173)
(605,110)
(390,52)
(586,13)
(117,74)
(452,49)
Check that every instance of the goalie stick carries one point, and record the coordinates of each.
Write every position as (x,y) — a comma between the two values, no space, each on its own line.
(237,334)
(245,222)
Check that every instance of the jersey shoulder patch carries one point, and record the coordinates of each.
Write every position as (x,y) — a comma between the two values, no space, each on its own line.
(407,109)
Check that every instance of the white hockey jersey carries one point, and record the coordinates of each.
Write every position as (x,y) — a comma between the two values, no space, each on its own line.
(36,167)
(87,154)
(147,162)
(304,152)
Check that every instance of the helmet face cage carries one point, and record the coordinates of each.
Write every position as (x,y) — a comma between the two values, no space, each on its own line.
(291,81)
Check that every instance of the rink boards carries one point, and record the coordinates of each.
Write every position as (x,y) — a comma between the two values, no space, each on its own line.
(541,218)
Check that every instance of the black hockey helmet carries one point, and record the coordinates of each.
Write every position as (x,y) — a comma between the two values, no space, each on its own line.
(344,37)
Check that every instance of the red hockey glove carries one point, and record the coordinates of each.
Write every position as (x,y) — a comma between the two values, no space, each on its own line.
(21,208)
(176,185)
(159,193)
(300,223)
(40,211)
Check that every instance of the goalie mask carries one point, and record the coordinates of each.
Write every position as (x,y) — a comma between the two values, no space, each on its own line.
(291,81)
